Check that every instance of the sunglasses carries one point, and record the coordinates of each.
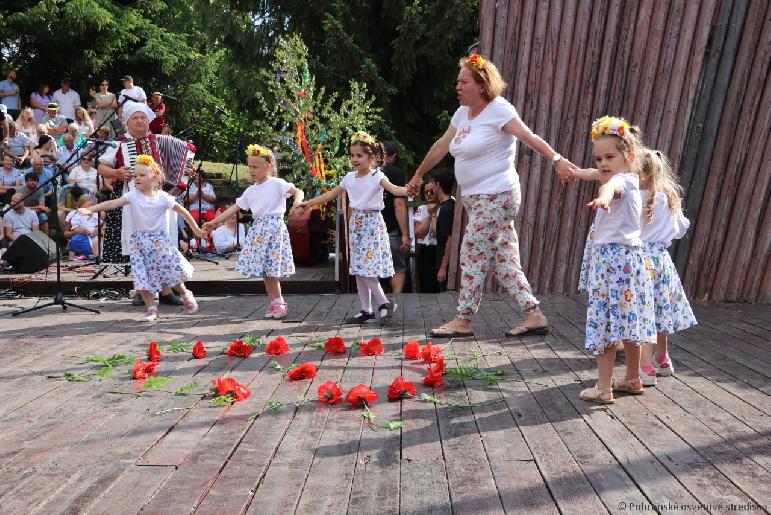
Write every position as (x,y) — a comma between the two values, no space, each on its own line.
(428,192)
(104,84)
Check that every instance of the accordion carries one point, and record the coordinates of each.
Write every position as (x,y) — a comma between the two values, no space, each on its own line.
(176,158)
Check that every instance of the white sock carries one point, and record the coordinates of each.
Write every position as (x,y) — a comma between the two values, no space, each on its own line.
(377,291)
(364,296)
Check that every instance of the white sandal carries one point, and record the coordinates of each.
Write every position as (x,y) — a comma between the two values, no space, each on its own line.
(594,394)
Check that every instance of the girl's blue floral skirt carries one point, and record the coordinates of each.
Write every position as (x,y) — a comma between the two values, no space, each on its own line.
(155,262)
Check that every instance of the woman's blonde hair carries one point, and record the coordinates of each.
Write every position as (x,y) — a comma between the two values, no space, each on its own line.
(20,119)
(149,162)
(656,170)
(82,112)
(485,73)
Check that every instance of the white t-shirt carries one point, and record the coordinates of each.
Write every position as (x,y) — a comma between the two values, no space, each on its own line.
(67,102)
(664,226)
(148,214)
(268,198)
(484,154)
(20,223)
(420,216)
(223,237)
(364,192)
(88,222)
(135,93)
(208,189)
(84,178)
(622,223)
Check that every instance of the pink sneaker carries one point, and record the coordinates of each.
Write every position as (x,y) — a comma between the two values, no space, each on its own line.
(191,305)
(151,314)
(648,375)
(664,365)
(280,309)
(271,311)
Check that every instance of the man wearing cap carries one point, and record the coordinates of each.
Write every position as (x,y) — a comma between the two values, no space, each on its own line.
(56,123)
(9,95)
(114,164)
(134,93)
(159,110)
(67,99)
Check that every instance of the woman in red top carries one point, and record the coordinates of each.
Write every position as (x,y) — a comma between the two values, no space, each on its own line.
(159,109)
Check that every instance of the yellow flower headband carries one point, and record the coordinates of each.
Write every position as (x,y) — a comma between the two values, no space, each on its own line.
(363,136)
(257,150)
(610,125)
(144,159)
(477,61)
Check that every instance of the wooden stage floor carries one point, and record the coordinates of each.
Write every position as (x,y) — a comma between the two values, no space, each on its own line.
(699,442)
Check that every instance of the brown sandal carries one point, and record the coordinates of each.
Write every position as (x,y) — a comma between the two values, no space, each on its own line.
(633,386)
(594,394)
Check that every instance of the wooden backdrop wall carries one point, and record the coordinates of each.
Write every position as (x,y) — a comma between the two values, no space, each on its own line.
(693,75)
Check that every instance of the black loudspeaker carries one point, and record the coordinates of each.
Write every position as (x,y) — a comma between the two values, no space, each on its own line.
(31,252)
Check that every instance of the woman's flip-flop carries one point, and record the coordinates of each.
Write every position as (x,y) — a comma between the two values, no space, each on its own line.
(531,331)
(448,332)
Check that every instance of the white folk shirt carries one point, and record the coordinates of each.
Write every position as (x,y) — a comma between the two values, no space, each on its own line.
(664,226)
(364,193)
(622,223)
(148,212)
(268,198)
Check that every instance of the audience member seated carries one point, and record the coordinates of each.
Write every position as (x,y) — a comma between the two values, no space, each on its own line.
(5,118)
(77,138)
(224,236)
(81,231)
(18,146)
(35,201)
(84,175)
(39,100)
(46,150)
(10,179)
(27,125)
(83,123)
(43,177)
(68,202)
(68,99)
(424,215)
(56,123)
(207,199)
(19,220)
(65,153)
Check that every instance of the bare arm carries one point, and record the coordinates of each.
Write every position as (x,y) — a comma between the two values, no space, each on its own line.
(441,276)
(522,132)
(123,173)
(421,228)
(321,199)
(298,196)
(399,191)
(8,233)
(104,206)
(189,219)
(608,192)
(435,154)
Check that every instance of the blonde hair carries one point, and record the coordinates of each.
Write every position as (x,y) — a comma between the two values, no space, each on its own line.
(83,199)
(656,170)
(83,113)
(485,73)
(20,119)
(149,163)
(630,144)
(263,153)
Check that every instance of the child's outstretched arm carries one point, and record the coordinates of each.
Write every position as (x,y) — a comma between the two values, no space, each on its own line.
(298,195)
(608,191)
(189,219)
(231,211)
(104,206)
(399,191)
(335,192)
(587,174)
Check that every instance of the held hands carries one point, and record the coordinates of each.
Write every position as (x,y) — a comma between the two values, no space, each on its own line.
(299,209)
(208,227)
(413,187)
(199,232)
(599,203)
(566,171)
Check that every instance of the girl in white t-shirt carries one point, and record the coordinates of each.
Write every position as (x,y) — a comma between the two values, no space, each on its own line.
(370,248)
(82,230)
(266,250)
(620,305)
(156,263)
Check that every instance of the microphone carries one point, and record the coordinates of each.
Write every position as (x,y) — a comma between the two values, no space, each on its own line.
(113,144)
(171,98)
(128,97)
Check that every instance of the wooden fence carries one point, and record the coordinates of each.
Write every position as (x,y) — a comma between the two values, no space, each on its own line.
(693,75)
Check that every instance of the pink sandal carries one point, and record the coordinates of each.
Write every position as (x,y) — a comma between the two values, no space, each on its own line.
(663,365)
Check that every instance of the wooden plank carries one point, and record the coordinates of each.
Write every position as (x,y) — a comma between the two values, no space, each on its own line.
(487,22)
(501,18)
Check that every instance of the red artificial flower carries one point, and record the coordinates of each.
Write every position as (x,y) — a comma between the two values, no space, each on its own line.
(228,385)
(371,348)
(277,346)
(304,371)
(142,370)
(435,372)
(241,392)
(360,396)
(401,389)
(330,393)
(153,354)
(239,349)
(199,352)
(430,353)
(335,345)
(412,350)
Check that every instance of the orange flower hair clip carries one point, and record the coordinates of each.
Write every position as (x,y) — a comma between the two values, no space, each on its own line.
(477,61)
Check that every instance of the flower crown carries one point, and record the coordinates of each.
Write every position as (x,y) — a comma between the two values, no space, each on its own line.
(144,159)
(364,137)
(257,150)
(610,125)
(477,61)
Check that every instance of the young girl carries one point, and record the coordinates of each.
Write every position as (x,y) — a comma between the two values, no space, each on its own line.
(155,261)
(620,307)
(82,230)
(662,221)
(266,252)
(369,242)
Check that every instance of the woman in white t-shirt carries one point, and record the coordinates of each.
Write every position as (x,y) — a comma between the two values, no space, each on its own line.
(200,206)
(482,137)
(84,175)
(426,240)
(267,252)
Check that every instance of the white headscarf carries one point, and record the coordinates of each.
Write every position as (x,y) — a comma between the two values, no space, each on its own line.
(129,108)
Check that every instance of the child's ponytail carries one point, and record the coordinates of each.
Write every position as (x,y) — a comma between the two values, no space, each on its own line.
(657,171)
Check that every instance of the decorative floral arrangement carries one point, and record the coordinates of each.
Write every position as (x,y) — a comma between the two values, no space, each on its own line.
(610,125)
(364,137)
(144,159)
(477,61)
(257,150)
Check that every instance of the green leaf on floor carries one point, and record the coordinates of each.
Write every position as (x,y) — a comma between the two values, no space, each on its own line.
(155,383)
(186,388)
(75,377)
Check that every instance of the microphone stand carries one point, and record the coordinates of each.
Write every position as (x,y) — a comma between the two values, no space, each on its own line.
(189,253)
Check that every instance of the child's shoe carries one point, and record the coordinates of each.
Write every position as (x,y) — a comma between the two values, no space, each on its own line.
(152,314)
(360,317)
(386,311)
(663,365)
(648,375)
(280,310)
(191,305)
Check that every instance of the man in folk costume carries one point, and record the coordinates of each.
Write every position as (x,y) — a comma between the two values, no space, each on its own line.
(117,164)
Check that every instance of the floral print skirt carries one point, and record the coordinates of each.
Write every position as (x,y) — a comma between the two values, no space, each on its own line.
(620,306)
(583,278)
(156,263)
(370,246)
(673,311)
(266,250)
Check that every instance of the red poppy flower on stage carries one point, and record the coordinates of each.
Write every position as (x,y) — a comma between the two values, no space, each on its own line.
(330,393)
(239,349)
(277,346)
(360,396)
(335,345)
(430,353)
(241,392)
(304,371)
(143,370)
(371,348)
(199,352)
(401,389)
(435,372)
(229,386)
(153,354)
(412,350)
